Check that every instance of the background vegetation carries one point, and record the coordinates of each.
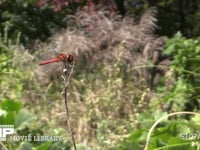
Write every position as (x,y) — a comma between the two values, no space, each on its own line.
(136,61)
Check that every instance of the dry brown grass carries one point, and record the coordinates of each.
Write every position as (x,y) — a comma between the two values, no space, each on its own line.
(96,38)
(104,103)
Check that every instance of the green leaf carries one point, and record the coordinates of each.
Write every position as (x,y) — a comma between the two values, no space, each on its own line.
(25,146)
(174,140)
(196,118)
(3,113)
(44,146)
(178,146)
(158,114)
(128,145)
(9,119)
(11,105)
(136,135)
(60,145)
(23,119)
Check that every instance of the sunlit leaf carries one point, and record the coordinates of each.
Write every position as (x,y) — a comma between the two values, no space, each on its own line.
(23,119)
(11,105)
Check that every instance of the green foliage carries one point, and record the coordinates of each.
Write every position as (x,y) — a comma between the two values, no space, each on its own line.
(185,66)
(173,15)
(181,94)
(45,146)
(12,100)
(9,109)
(107,103)
(9,88)
(23,119)
(176,16)
(31,21)
(186,54)
(11,113)
(171,135)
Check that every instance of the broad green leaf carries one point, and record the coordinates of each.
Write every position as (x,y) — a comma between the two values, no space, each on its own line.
(11,105)
(25,146)
(23,118)
(44,146)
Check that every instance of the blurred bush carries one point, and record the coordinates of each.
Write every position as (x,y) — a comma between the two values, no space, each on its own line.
(16,78)
(34,23)
(169,134)
(113,89)
(181,94)
(185,69)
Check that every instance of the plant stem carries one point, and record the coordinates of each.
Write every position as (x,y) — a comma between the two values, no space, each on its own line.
(66,82)
(4,147)
(162,118)
(68,120)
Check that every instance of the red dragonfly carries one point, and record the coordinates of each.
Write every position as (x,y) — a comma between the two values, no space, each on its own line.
(61,57)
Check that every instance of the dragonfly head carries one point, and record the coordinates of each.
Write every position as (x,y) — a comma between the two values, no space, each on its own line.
(70,58)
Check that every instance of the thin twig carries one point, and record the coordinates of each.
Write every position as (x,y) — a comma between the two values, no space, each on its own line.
(68,75)
(4,147)
(66,82)
(159,120)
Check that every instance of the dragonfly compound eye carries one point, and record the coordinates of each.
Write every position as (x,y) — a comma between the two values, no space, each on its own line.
(70,58)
